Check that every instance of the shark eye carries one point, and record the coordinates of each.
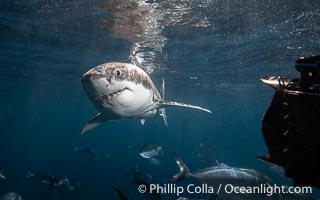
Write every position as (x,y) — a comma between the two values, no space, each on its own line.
(118,73)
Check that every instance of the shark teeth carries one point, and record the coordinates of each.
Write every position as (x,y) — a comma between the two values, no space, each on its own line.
(114,95)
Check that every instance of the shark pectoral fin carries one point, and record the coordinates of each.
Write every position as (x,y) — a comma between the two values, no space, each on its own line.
(96,121)
(142,121)
(162,104)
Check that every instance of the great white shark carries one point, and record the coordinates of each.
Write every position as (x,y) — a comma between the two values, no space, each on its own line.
(123,90)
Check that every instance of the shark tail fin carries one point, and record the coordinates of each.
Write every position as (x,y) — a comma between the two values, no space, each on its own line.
(1,171)
(162,111)
(184,170)
(177,104)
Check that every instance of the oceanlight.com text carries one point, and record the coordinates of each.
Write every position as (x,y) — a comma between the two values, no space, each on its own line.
(266,189)
(269,190)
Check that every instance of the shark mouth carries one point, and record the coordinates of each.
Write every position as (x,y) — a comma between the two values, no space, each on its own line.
(111,96)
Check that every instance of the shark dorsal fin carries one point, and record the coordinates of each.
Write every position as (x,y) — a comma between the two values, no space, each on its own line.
(223,165)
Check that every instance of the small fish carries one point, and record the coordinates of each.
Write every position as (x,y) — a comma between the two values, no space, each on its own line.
(87,152)
(120,195)
(223,174)
(39,176)
(3,167)
(54,182)
(150,150)
(48,179)
(11,196)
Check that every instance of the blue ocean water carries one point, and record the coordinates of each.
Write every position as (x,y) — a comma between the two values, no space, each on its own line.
(211,53)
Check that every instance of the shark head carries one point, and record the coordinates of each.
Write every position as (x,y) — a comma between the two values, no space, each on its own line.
(107,80)
(119,87)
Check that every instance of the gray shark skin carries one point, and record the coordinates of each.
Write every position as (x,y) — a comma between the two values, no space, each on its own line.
(122,90)
(49,179)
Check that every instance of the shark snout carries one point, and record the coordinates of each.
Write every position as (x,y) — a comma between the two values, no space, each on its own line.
(95,80)
(87,77)
(91,76)
(95,83)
